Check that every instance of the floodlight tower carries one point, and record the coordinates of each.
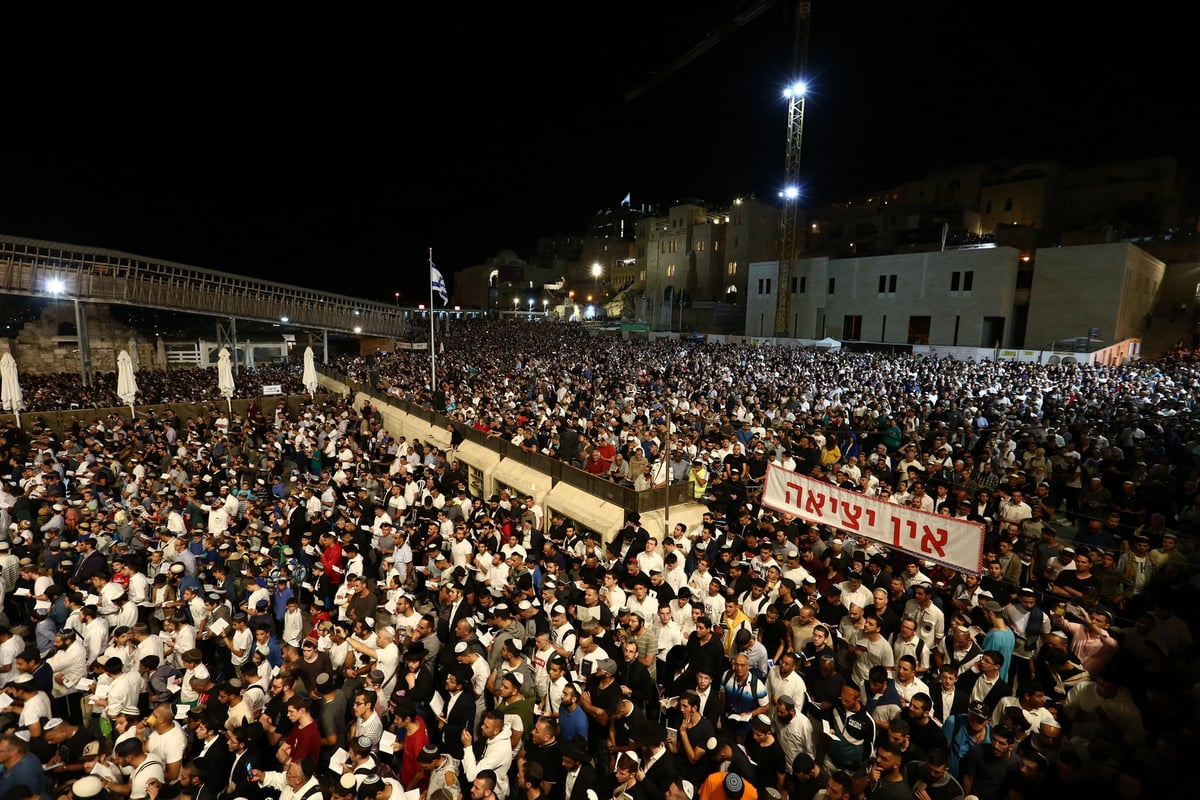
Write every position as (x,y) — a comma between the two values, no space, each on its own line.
(789,224)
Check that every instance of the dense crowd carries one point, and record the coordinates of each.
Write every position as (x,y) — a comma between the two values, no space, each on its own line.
(310,607)
(64,391)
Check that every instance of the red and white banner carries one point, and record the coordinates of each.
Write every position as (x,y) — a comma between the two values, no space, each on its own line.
(954,543)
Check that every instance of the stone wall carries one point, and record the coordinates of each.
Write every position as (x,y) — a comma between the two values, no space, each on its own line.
(49,344)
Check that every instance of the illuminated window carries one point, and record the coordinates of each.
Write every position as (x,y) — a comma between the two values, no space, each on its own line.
(700,247)
(670,270)
(732,268)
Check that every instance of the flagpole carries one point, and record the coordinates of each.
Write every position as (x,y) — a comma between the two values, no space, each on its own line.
(432,348)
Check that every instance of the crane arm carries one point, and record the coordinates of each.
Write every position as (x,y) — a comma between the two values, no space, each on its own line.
(711,40)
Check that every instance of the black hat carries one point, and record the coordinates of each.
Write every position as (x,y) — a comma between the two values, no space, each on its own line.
(648,734)
(573,749)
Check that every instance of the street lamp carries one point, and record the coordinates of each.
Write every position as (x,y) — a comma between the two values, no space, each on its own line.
(58,288)
(597,271)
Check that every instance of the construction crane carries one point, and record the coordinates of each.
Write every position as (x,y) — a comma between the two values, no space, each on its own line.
(789,222)
(711,40)
(789,225)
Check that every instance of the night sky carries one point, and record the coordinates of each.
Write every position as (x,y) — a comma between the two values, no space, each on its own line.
(333,153)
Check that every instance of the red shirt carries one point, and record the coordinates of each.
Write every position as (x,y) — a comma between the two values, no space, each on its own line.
(305,742)
(331,559)
(413,743)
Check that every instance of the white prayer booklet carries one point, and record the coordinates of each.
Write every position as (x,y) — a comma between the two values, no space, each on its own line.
(437,704)
(338,759)
(218,626)
(387,741)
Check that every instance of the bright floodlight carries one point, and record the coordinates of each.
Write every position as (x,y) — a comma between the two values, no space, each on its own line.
(596,270)
(790,192)
(797,89)
(56,286)
(358,329)
(283,319)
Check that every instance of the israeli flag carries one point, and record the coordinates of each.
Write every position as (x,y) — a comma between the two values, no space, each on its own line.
(438,284)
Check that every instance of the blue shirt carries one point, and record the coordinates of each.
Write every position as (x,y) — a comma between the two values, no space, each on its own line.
(572,724)
(26,772)
(1002,640)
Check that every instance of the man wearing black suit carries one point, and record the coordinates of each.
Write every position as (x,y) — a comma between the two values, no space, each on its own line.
(579,776)
(949,696)
(297,523)
(458,609)
(244,745)
(196,780)
(458,715)
(986,684)
(659,766)
(632,538)
(212,746)
(91,562)
(568,442)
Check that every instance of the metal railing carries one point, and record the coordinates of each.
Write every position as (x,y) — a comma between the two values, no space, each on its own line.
(48,269)
(603,489)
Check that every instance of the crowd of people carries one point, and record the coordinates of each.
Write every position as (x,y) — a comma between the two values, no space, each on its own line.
(64,391)
(307,606)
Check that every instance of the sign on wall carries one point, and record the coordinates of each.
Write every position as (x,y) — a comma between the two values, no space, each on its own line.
(954,543)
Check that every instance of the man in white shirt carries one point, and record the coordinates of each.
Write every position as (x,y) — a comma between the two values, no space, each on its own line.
(34,705)
(166,741)
(147,644)
(386,655)
(784,680)
(143,767)
(10,647)
(497,754)
(95,632)
(298,782)
(138,589)
(179,637)
(123,690)
(649,559)
(793,729)
(670,635)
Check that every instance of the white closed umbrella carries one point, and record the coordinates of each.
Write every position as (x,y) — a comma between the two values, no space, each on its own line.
(225,377)
(10,386)
(310,372)
(126,384)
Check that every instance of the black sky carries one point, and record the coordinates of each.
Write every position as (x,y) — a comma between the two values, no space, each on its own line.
(332,151)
